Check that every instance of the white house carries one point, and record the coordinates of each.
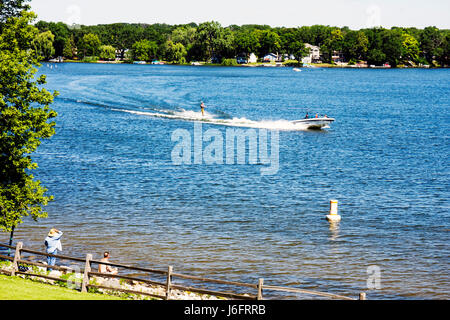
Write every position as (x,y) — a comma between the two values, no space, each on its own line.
(252,58)
(242,58)
(314,54)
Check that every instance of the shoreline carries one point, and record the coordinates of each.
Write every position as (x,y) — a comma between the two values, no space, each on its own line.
(255,65)
(117,287)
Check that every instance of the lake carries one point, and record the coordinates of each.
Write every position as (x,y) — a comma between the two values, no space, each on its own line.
(385,158)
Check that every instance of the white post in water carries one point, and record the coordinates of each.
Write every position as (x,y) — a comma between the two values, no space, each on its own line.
(333,216)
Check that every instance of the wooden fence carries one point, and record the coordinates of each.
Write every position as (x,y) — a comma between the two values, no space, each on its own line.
(168,276)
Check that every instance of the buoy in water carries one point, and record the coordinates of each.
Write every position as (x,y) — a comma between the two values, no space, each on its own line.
(333,216)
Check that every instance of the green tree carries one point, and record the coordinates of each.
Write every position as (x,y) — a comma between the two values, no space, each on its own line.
(304,35)
(184,35)
(246,42)
(70,49)
(298,49)
(43,44)
(318,34)
(175,52)
(376,57)
(90,44)
(270,42)
(61,32)
(393,46)
(410,48)
(226,48)
(107,52)
(333,43)
(121,36)
(24,122)
(213,39)
(375,54)
(355,45)
(444,56)
(431,41)
(144,50)
(361,45)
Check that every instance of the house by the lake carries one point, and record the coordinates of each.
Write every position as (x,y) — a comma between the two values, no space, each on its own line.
(313,56)
(270,57)
(338,57)
(288,57)
(252,58)
(242,58)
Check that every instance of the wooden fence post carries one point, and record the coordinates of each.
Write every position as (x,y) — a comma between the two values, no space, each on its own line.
(169,282)
(87,269)
(260,288)
(19,246)
(362,296)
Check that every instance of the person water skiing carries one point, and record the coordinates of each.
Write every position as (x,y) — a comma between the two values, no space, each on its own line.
(202,108)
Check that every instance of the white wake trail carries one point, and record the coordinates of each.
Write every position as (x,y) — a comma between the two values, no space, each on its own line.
(188,115)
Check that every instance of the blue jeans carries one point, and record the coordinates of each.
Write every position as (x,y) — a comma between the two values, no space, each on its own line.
(51,260)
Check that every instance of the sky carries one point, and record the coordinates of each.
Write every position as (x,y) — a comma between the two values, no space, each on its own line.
(285,13)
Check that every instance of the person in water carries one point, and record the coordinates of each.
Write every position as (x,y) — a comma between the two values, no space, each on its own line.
(202,108)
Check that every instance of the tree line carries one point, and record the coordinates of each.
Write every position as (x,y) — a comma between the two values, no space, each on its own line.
(209,41)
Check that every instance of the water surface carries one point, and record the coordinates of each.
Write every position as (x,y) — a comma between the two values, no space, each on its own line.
(385,159)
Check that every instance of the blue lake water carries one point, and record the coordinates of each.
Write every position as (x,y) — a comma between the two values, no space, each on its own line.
(385,159)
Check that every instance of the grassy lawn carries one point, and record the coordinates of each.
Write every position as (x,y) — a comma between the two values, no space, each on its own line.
(13,288)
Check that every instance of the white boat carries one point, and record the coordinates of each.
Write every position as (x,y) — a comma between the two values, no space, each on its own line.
(315,123)
(297,69)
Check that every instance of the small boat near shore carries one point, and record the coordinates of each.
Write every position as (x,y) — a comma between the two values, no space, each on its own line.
(315,123)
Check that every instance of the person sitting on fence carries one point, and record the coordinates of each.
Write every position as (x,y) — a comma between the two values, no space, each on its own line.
(53,245)
(102,268)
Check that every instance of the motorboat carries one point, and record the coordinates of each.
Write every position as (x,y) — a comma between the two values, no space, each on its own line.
(315,123)
(297,69)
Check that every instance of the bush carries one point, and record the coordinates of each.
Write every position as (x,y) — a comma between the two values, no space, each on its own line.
(229,62)
(292,63)
(90,59)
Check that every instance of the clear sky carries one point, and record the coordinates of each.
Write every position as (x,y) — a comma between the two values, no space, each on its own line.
(287,13)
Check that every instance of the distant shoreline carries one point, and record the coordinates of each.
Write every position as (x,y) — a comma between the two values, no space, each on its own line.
(255,65)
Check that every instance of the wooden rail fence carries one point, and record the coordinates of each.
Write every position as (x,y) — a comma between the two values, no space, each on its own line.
(168,274)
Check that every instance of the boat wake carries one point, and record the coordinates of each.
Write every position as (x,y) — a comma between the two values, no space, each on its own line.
(218,118)
(189,115)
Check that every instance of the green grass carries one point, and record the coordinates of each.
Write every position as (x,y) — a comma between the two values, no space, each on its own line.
(14,288)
